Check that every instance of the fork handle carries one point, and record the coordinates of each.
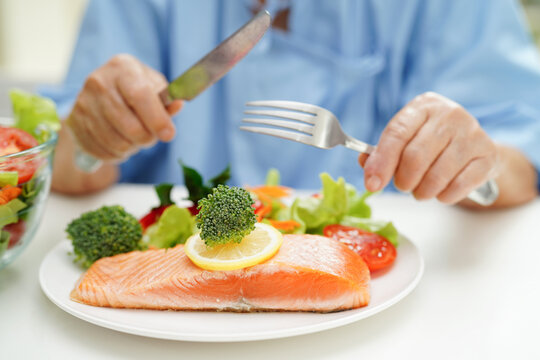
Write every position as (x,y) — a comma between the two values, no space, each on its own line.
(357,145)
(484,195)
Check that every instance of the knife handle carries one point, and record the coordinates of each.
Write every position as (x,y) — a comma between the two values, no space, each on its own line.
(83,160)
(86,162)
(486,194)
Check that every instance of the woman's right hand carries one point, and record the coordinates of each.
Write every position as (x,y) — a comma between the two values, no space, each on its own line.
(119,111)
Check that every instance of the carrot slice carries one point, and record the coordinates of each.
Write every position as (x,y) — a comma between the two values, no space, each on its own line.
(263,211)
(285,225)
(8,193)
(274,191)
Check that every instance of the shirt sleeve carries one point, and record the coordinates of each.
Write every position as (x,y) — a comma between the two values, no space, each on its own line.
(481,55)
(109,28)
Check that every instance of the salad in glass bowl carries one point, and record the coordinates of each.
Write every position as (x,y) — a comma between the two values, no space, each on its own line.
(27,143)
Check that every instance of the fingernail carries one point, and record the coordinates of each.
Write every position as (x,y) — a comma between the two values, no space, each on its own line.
(166,134)
(373,183)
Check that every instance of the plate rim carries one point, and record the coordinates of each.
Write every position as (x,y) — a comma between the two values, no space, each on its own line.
(248,336)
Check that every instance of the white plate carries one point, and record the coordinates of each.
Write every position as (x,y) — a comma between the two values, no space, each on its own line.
(58,275)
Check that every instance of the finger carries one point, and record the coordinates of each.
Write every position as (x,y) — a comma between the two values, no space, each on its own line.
(175,106)
(470,178)
(125,121)
(421,152)
(101,128)
(442,171)
(464,147)
(439,176)
(92,128)
(102,85)
(383,161)
(139,92)
(84,140)
(159,82)
(362,158)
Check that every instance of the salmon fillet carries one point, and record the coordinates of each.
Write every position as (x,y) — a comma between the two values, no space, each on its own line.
(309,273)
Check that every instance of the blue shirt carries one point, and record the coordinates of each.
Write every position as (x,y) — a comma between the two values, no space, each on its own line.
(361,59)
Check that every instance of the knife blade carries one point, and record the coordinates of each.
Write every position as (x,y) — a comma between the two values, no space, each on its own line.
(217,62)
(212,67)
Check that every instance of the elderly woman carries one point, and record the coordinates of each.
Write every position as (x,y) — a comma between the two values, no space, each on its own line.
(448,90)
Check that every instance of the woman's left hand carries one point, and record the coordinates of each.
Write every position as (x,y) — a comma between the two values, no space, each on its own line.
(433,148)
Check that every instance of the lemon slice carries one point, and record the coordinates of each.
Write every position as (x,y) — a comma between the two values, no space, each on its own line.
(259,245)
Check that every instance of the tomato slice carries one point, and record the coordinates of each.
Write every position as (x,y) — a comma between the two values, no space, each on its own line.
(13,140)
(375,250)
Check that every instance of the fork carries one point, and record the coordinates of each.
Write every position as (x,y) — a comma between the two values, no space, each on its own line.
(316,126)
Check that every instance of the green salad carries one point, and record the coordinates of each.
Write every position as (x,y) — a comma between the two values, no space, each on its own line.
(21,177)
(224,214)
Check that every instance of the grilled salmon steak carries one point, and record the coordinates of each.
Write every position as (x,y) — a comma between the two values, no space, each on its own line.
(308,273)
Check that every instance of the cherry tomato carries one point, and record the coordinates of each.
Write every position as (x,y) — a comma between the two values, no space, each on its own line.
(14,140)
(374,249)
(193,210)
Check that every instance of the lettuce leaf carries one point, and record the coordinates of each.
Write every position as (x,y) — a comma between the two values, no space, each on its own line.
(163,192)
(317,212)
(334,200)
(34,114)
(197,189)
(174,227)
(340,203)
(8,212)
(9,178)
(357,205)
(4,241)
(272,177)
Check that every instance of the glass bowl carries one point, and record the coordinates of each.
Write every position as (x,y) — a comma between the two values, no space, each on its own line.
(20,217)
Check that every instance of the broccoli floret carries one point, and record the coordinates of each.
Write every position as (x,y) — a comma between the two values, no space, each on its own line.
(226,215)
(107,231)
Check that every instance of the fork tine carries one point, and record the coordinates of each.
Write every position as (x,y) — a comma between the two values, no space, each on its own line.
(288,135)
(308,129)
(282,104)
(310,119)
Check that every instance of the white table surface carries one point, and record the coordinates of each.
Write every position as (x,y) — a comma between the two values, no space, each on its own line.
(479,297)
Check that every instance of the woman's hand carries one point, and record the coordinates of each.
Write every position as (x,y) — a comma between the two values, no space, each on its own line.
(119,110)
(433,148)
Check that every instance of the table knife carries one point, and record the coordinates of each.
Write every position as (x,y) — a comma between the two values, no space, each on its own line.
(203,74)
